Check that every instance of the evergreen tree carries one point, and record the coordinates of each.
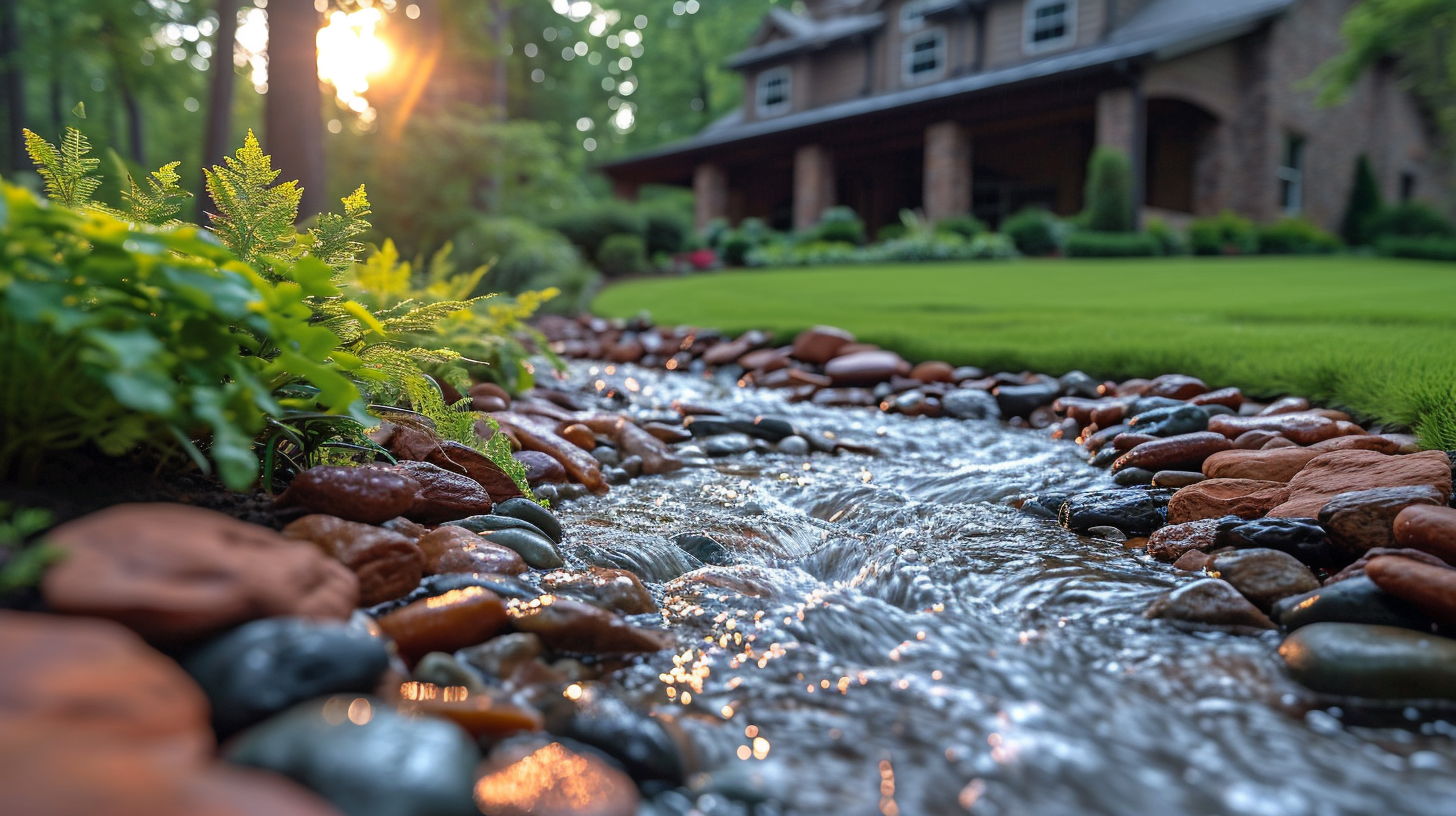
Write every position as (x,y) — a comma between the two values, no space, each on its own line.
(1364,206)
(1109,191)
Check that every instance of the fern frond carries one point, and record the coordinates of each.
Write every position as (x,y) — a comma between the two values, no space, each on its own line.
(158,202)
(255,217)
(66,169)
(425,318)
(335,238)
(383,279)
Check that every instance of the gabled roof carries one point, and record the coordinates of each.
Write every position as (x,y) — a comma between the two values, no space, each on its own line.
(1163,29)
(801,34)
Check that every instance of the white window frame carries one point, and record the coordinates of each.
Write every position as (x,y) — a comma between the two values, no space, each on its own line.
(1292,174)
(907,56)
(1069,27)
(761,85)
(912,14)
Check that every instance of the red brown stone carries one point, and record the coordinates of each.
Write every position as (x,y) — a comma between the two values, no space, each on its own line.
(540,468)
(1430,589)
(1227,397)
(1176,540)
(1131,439)
(1175,386)
(1330,474)
(1254,440)
(1276,465)
(444,495)
(1174,451)
(178,574)
(865,368)
(536,435)
(1429,529)
(572,626)
(387,564)
(454,620)
(1362,520)
(455,549)
(1369,442)
(611,589)
(1216,498)
(1287,405)
(820,344)
(765,360)
(1357,568)
(1304,429)
(540,777)
(366,494)
(580,436)
(933,371)
(657,457)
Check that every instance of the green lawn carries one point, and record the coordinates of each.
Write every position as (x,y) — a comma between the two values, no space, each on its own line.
(1372,335)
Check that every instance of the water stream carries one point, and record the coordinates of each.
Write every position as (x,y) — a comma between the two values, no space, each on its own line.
(894,638)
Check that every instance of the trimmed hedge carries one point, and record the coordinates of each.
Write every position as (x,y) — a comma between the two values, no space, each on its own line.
(1296,236)
(1033,231)
(1089,244)
(966,226)
(1410,220)
(1224,234)
(622,255)
(1431,249)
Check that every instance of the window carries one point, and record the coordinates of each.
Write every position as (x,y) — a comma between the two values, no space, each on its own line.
(773,91)
(912,14)
(923,56)
(1291,175)
(1407,186)
(1050,24)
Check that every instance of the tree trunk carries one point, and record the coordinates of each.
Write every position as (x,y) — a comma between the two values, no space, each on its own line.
(133,119)
(293,127)
(217,140)
(14,85)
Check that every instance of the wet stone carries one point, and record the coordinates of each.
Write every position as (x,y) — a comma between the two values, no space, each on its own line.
(1210,602)
(444,495)
(1132,477)
(386,563)
(490,523)
(1021,400)
(1429,529)
(571,626)
(498,657)
(541,776)
(606,455)
(616,476)
(793,446)
(612,589)
(370,495)
(1105,457)
(1174,479)
(1216,498)
(534,548)
(365,759)
(1165,422)
(541,469)
(1371,662)
(728,445)
(1132,510)
(1302,538)
(606,723)
(1356,600)
(440,669)
(1264,576)
(1174,541)
(1429,588)
(1364,519)
(264,667)
(454,620)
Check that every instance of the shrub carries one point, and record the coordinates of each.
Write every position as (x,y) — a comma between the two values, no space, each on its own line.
(1431,249)
(966,226)
(714,233)
(1109,191)
(622,255)
(992,246)
(1411,219)
(590,228)
(1224,234)
(890,232)
(1364,206)
(1170,241)
(666,230)
(735,246)
(1089,244)
(1296,236)
(840,225)
(1033,231)
(520,254)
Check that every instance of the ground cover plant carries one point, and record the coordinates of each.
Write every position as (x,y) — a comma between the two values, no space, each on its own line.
(1370,334)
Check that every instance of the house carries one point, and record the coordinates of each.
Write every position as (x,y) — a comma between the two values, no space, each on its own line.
(988,106)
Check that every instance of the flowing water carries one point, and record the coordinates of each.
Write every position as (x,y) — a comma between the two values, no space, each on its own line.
(894,638)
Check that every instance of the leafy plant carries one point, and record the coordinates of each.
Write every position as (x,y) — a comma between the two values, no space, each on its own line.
(1224,234)
(966,226)
(1411,219)
(1170,241)
(66,170)
(1365,204)
(1033,230)
(1431,249)
(622,255)
(1109,191)
(1296,236)
(22,565)
(840,225)
(1088,244)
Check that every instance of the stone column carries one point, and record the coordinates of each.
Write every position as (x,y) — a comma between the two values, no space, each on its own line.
(947,171)
(710,194)
(813,185)
(1122,123)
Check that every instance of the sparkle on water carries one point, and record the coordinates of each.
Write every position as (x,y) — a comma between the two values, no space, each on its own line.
(894,638)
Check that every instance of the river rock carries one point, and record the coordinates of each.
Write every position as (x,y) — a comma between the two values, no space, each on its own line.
(1264,576)
(580,436)
(444,623)
(1286,405)
(1276,465)
(499,657)
(793,446)
(1331,474)
(1376,443)
(1372,662)
(486,714)
(1357,568)
(1227,397)
(933,371)
(1102,436)
(1216,498)
(527,510)
(1255,440)
(1171,421)
(1361,520)
(540,776)
(1105,457)
(970,403)
(1172,542)
(704,549)
(387,564)
(1304,429)
(1127,441)
(455,549)
(1357,600)
(1176,479)
(1174,451)
(1175,386)
(491,522)
(366,759)
(612,589)
(440,669)
(1132,477)
(1430,589)
(540,468)
(1133,511)
(264,667)
(728,445)
(1021,400)
(1304,539)
(178,574)
(370,495)
(1428,529)
(1210,602)
(604,722)
(820,344)
(572,626)
(865,368)
(1079,384)
(444,495)
(536,435)
(1279,442)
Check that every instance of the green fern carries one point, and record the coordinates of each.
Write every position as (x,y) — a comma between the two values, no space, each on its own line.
(160,201)
(335,239)
(255,217)
(457,423)
(66,169)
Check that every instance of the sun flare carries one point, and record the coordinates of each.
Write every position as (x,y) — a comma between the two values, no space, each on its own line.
(349,53)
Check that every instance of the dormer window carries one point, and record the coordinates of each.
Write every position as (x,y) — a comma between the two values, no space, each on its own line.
(923,56)
(1050,24)
(773,91)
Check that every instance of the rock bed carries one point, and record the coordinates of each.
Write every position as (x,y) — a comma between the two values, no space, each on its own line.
(1286,516)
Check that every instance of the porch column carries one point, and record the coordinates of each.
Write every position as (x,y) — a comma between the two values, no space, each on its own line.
(813,185)
(947,171)
(1122,123)
(710,194)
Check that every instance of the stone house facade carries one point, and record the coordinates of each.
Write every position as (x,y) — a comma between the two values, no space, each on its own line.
(988,106)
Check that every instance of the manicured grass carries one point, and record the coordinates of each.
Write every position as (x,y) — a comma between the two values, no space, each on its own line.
(1373,335)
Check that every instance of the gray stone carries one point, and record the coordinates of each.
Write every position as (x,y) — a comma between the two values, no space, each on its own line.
(1372,662)
(1264,576)
(1078,384)
(1132,477)
(970,403)
(527,510)
(606,455)
(264,667)
(1172,421)
(444,670)
(534,548)
(728,444)
(1210,602)
(794,446)
(1353,600)
(1132,510)
(366,759)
